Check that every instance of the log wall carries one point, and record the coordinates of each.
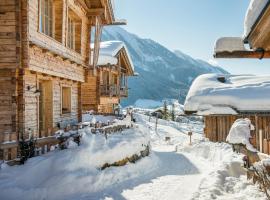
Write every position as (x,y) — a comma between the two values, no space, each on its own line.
(217,127)
(28,57)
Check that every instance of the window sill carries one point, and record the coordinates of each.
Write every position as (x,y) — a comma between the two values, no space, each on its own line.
(60,43)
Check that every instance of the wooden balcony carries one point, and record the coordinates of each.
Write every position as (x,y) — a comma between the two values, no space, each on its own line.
(124,92)
(109,90)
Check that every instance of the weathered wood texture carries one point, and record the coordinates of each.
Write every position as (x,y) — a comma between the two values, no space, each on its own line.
(89,95)
(260,35)
(217,127)
(32,62)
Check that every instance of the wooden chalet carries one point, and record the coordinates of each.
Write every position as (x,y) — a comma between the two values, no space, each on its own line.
(223,99)
(109,85)
(44,61)
(254,44)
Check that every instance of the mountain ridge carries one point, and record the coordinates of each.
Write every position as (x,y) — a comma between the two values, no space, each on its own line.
(162,73)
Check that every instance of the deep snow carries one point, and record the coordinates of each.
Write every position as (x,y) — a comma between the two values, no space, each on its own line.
(174,170)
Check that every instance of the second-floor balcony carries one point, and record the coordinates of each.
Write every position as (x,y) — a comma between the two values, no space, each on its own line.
(109,90)
(113,90)
(124,91)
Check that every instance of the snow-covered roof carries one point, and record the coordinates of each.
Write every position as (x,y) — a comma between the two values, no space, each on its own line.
(228,94)
(254,11)
(229,44)
(108,52)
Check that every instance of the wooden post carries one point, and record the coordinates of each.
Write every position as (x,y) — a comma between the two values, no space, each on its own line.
(190,135)
(261,140)
(156,123)
(265,146)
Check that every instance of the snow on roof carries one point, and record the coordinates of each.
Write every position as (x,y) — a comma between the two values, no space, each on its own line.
(254,10)
(229,44)
(108,52)
(208,95)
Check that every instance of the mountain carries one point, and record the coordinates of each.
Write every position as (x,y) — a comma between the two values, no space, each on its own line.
(162,73)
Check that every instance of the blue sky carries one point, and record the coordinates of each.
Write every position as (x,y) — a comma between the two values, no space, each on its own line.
(191,26)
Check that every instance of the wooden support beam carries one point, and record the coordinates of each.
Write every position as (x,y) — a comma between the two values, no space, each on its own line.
(96,12)
(243,54)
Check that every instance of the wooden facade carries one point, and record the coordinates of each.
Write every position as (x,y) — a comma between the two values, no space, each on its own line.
(44,61)
(217,127)
(108,86)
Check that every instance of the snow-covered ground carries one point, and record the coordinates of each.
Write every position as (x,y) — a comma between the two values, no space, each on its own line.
(174,170)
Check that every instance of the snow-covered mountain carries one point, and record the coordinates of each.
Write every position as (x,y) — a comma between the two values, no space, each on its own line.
(162,73)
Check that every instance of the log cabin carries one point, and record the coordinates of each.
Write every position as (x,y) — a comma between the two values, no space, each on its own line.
(44,60)
(110,84)
(221,99)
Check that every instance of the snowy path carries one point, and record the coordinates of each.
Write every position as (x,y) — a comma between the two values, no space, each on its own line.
(185,174)
(202,171)
(179,174)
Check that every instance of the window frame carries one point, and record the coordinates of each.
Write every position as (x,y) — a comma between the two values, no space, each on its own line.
(46,17)
(69,110)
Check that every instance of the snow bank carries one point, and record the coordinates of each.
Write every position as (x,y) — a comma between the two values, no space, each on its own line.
(238,92)
(254,10)
(70,173)
(240,133)
(97,118)
(227,178)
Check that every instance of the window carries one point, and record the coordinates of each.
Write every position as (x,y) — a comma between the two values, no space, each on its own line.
(66,100)
(71,33)
(46,17)
(74,31)
(51,18)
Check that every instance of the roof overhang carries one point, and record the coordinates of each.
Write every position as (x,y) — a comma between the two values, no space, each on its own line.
(233,47)
(257,40)
(123,54)
(102,8)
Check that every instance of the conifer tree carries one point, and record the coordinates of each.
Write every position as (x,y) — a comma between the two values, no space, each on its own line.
(173,112)
(165,110)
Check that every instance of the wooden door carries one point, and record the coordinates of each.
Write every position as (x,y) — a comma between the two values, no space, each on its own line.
(45,108)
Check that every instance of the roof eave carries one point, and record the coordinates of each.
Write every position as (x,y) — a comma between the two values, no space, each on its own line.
(246,39)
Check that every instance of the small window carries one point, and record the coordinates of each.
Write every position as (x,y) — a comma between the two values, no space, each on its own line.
(46,17)
(51,18)
(74,31)
(66,100)
(71,33)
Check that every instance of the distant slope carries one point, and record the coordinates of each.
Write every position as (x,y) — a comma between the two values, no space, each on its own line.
(163,73)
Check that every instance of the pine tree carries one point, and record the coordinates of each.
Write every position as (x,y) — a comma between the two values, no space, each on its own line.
(173,112)
(165,110)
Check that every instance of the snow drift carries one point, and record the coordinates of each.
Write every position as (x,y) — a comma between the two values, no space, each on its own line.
(69,173)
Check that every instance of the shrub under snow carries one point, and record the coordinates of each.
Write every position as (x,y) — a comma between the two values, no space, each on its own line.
(240,133)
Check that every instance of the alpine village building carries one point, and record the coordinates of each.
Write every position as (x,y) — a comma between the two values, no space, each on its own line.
(219,121)
(47,67)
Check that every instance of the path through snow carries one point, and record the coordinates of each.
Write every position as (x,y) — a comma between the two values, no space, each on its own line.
(202,171)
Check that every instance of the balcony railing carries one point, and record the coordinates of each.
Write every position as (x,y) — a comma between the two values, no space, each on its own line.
(113,90)
(109,90)
(123,91)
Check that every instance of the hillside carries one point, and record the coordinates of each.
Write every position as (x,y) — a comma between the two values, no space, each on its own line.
(162,73)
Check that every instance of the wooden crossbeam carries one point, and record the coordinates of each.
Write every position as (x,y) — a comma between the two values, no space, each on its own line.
(96,12)
(243,54)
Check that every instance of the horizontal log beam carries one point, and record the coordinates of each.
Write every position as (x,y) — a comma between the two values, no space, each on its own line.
(243,54)
(40,141)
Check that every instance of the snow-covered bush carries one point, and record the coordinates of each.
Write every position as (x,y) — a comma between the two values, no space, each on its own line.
(240,133)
